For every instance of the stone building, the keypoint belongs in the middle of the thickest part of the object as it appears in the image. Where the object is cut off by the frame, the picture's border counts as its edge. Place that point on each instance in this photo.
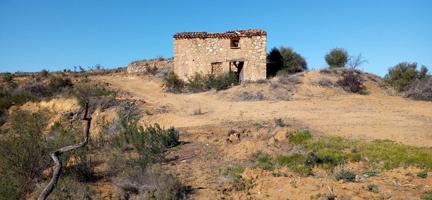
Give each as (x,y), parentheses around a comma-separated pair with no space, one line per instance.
(242,52)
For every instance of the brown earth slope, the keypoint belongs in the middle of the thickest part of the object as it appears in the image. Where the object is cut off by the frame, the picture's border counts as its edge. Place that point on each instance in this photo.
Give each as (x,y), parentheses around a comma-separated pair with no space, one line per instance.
(324,110)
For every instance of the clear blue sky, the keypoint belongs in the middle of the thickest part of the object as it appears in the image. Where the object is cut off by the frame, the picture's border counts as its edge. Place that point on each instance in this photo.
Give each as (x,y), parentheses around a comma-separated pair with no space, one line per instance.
(58,34)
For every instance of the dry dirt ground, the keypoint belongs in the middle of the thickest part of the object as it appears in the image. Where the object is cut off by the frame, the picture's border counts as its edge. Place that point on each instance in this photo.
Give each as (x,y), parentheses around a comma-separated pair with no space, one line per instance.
(205,118)
(324,110)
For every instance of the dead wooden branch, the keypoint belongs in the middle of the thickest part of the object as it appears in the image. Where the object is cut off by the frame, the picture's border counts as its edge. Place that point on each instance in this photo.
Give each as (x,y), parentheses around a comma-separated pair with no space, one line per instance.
(55,157)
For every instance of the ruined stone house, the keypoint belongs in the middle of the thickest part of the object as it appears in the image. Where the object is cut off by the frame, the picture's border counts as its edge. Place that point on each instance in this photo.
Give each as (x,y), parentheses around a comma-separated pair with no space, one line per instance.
(242,52)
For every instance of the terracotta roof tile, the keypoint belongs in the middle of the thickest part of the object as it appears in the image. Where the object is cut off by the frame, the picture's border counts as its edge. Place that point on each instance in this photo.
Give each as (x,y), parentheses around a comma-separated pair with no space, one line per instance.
(228,34)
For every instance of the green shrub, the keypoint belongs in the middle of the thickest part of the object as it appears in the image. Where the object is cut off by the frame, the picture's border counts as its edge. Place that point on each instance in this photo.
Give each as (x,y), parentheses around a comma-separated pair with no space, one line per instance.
(337,58)
(233,174)
(9,97)
(56,84)
(85,91)
(371,172)
(296,162)
(222,81)
(427,195)
(200,83)
(197,83)
(7,77)
(372,188)
(264,161)
(327,158)
(150,141)
(44,73)
(23,153)
(404,74)
(284,60)
(345,175)
(300,136)
(232,171)
(70,188)
(149,183)
(423,173)
(172,83)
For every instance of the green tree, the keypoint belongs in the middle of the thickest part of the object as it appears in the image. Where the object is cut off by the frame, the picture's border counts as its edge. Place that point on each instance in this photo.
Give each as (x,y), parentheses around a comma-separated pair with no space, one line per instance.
(285,60)
(402,75)
(423,73)
(337,58)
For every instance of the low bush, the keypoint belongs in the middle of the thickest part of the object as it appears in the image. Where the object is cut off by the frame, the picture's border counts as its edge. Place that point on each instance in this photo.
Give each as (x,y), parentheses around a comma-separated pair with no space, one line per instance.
(44,73)
(222,82)
(233,175)
(403,75)
(151,142)
(352,81)
(7,77)
(251,96)
(264,161)
(371,172)
(345,175)
(9,97)
(372,188)
(296,162)
(70,188)
(23,153)
(85,91)
(199,82)
(39,90)
(150,183)
(57,84)
(300,137)
(172,83)
(423,173)
(420,90)
(427,195)
(324,82)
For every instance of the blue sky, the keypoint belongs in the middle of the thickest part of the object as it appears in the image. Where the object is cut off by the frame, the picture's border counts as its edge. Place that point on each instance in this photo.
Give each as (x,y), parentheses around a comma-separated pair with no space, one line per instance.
(58,34)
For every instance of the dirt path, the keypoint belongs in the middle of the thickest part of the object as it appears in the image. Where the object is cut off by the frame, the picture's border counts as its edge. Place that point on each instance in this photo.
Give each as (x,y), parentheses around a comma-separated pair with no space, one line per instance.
(373,116)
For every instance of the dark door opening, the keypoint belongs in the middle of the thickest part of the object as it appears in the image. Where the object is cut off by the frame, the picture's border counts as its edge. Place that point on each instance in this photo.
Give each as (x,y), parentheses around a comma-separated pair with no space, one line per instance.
(237,68)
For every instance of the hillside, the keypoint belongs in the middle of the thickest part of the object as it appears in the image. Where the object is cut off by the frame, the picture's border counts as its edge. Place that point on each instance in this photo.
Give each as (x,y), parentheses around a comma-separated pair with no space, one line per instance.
(299,101)
(290,137)
(326,110)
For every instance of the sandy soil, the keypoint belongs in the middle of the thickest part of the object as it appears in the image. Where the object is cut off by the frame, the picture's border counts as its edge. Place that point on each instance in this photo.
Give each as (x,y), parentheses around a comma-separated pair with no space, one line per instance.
(205,118)
(324,110)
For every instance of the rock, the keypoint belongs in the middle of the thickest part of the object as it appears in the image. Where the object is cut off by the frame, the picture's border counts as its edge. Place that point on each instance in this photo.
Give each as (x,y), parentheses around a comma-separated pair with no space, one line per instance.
(233,136)
(281,135)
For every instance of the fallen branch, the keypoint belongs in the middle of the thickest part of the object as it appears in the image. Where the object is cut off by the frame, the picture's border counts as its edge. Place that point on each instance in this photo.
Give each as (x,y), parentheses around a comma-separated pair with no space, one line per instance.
(55,157)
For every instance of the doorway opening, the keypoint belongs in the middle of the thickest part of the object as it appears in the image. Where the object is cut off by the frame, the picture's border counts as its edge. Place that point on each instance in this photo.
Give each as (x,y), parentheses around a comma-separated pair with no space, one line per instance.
(237,68)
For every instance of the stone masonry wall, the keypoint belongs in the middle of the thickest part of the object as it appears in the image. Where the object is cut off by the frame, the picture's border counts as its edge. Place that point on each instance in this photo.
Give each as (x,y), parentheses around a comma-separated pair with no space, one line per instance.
(193,55)
(141,66)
